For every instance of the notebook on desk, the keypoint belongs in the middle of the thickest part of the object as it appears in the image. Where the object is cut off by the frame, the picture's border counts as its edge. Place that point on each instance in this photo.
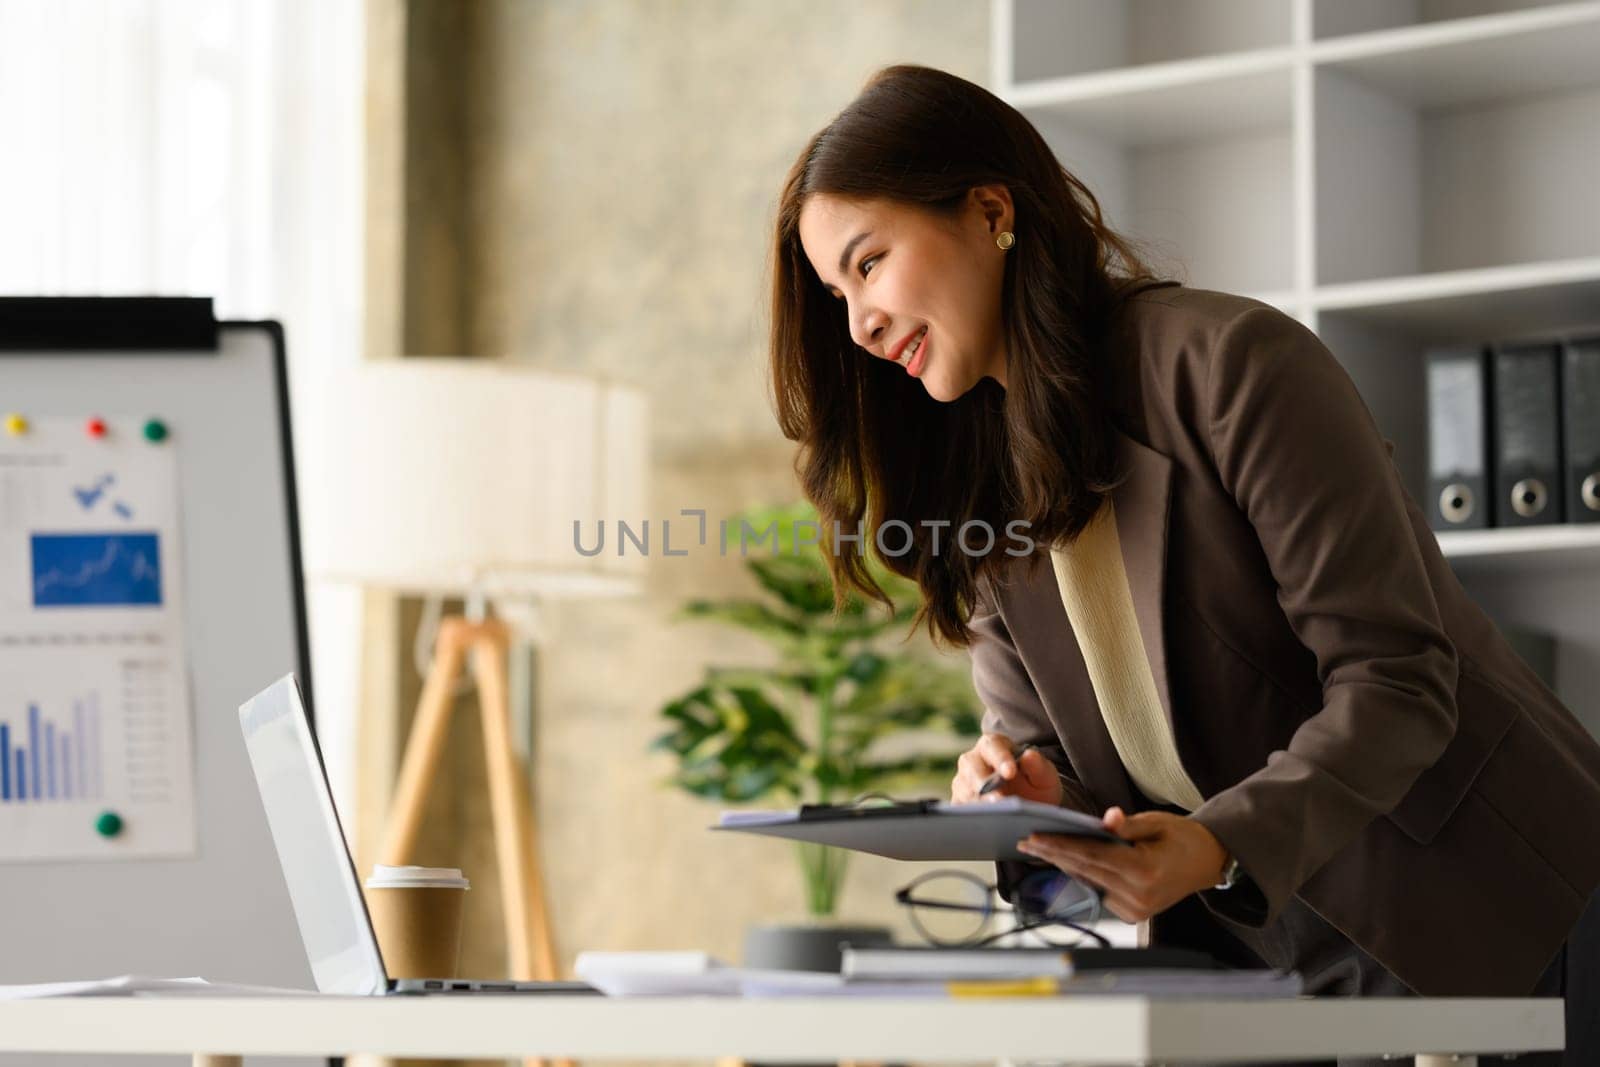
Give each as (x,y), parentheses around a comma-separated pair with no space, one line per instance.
(328,904)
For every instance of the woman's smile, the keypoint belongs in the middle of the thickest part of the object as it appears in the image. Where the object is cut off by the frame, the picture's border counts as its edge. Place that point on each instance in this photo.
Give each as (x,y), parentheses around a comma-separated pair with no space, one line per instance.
(917,354)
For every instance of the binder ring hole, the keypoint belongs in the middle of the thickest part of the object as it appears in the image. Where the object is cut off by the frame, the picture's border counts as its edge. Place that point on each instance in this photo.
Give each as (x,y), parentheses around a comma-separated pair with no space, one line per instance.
(1456,503)
(1528,497)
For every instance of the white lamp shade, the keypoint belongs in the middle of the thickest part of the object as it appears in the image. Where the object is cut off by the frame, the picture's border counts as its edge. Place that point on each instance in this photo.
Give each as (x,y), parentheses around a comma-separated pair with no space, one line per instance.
(445,475)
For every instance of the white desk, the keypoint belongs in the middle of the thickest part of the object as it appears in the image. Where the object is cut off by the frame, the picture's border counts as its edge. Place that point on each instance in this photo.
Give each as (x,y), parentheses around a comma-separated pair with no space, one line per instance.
(1098,1030)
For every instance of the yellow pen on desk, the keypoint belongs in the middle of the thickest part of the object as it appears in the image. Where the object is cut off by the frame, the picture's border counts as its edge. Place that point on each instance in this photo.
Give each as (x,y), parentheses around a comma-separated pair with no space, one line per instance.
(1018,987)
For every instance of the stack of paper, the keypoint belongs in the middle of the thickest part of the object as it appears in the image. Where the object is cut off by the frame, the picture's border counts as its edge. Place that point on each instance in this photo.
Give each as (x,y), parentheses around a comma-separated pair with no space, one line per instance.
(640,974)
(1044,971)
(892,963)
(129,985)
(657,974)
(1205,984)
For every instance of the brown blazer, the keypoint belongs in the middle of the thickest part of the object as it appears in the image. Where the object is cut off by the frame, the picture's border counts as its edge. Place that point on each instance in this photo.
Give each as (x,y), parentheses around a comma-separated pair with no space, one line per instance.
(1364,738)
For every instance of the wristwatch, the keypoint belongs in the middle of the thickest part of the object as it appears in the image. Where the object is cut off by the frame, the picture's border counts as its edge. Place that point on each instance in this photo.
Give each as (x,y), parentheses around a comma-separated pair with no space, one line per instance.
(1230,874)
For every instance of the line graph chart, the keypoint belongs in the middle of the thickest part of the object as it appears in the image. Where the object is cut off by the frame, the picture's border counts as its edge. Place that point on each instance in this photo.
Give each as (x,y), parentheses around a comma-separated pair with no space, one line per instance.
(96,569)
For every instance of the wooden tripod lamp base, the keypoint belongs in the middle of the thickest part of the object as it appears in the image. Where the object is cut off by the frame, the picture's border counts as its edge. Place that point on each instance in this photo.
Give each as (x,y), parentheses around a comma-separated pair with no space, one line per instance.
(530,945)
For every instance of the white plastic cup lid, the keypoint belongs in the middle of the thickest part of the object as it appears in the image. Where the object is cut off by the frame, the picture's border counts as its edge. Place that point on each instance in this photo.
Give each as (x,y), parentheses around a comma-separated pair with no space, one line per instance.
(385,877)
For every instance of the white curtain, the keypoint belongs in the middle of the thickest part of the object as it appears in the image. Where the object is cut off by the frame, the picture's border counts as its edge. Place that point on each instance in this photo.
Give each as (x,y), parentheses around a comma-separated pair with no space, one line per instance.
(206,148)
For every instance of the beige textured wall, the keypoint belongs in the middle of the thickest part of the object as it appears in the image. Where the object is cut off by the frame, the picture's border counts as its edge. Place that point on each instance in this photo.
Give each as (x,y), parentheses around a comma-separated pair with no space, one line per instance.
(619,162)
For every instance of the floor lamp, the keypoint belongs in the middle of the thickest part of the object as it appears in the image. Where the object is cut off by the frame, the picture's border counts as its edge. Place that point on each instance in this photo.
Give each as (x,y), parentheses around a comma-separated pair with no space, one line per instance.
(530,945)
(463,477)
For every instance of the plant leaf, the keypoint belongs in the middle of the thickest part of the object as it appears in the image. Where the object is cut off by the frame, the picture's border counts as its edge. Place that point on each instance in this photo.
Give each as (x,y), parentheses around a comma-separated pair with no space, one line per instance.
(751,615)
(801,582)
(732,742)
(901,776)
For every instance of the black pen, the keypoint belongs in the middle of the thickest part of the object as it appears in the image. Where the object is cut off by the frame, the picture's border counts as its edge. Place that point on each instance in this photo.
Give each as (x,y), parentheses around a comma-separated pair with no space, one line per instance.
(991,783)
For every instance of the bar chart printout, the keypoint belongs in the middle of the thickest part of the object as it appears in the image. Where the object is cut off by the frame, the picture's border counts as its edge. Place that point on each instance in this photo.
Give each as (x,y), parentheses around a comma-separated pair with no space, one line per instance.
(49,759)
(94,693)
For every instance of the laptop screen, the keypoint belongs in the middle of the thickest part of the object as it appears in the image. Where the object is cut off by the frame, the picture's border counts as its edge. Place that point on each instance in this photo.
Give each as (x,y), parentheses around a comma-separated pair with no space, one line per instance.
(322,882)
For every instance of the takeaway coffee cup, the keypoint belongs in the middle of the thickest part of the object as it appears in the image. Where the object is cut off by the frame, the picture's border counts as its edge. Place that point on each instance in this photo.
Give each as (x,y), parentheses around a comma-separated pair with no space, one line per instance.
(416,913)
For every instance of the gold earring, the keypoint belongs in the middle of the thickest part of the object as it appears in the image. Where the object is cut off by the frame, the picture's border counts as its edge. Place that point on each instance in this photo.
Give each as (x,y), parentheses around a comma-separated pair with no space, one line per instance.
(1006,239)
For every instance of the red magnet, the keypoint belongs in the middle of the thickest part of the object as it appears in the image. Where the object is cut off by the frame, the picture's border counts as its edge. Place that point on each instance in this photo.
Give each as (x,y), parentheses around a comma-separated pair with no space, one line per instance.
(97,427)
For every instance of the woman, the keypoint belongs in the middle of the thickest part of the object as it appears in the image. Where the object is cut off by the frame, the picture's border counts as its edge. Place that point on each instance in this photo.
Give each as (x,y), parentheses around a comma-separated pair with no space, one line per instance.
(1232,633)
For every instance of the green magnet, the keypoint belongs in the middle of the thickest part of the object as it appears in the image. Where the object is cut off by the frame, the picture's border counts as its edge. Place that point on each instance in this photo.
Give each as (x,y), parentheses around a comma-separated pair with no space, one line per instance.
(155,431)
(109,824)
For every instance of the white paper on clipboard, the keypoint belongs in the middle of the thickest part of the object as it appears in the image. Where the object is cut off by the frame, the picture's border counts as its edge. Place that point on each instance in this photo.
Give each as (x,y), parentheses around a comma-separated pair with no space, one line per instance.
(934,830)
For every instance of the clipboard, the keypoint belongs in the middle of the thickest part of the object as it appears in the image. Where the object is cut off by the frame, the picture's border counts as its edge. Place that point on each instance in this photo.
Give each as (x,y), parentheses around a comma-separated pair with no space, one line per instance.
(922,829)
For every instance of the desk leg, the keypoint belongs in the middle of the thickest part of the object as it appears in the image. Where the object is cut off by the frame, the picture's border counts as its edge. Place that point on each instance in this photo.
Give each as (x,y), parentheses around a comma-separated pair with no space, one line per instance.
(202,1059)
(1446,1060)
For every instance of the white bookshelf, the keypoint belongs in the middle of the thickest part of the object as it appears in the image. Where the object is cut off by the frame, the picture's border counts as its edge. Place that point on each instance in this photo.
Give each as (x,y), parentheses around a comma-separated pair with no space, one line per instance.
(1397,174)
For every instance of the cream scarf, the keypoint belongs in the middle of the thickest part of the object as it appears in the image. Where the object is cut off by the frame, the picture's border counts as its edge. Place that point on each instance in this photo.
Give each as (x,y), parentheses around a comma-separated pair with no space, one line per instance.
(1094,590)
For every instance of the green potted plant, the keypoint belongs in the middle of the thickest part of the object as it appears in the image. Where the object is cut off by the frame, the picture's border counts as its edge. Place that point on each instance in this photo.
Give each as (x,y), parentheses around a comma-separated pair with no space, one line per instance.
(842,712)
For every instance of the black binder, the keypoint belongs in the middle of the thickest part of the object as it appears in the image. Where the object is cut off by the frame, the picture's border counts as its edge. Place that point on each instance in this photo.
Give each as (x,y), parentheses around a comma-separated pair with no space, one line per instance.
(1527,434)
(1580,419)
(1460,488)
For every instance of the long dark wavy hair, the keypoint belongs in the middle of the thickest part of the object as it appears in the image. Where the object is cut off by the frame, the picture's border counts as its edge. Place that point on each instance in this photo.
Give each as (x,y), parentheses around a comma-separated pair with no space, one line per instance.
(874,447)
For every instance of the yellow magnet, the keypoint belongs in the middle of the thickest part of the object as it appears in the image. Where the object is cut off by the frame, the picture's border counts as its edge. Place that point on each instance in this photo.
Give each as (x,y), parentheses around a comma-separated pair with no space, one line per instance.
(16,425)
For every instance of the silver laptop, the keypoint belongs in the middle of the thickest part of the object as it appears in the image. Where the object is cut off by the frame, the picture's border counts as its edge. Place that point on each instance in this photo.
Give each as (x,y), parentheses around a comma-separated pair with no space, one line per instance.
(323,887)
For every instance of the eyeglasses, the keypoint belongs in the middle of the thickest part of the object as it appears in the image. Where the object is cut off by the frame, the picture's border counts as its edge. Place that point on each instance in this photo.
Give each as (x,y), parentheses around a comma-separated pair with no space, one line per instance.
(953,908)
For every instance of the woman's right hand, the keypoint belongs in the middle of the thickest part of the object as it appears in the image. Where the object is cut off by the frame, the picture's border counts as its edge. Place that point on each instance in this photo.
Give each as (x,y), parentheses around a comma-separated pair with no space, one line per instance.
(1032,777)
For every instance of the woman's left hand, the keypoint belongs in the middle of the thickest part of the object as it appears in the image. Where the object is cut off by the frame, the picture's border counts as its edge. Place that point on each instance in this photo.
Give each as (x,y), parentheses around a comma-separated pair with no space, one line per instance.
(1172,856)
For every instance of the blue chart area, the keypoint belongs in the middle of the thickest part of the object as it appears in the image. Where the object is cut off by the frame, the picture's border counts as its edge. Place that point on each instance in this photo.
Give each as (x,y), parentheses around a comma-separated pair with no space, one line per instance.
(98,570)
(45,758)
